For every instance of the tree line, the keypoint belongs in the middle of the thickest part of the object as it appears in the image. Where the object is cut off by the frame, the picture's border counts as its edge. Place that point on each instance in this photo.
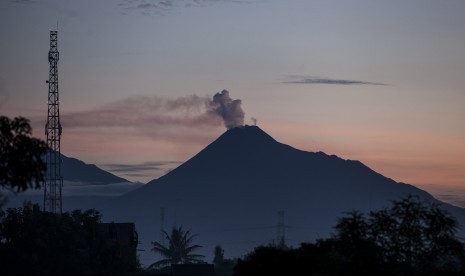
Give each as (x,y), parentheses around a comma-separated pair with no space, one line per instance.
(33,242)
(411,237)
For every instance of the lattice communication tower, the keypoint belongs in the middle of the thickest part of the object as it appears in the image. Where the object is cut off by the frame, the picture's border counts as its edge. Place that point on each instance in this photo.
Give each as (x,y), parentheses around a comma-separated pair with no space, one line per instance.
(53,179)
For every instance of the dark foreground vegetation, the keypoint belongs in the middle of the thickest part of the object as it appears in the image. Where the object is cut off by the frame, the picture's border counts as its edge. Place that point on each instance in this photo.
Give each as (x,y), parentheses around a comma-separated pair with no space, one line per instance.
(410,238)
(21,163)
(33,242)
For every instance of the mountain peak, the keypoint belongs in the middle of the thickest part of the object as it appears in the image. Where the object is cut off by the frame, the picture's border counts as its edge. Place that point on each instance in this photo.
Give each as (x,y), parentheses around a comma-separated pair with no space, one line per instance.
(248,134)
(236,152)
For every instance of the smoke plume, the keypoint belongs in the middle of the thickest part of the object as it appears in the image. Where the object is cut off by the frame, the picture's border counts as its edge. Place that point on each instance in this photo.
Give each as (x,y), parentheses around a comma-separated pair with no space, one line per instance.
(157,115)
(146,112)
(230,110)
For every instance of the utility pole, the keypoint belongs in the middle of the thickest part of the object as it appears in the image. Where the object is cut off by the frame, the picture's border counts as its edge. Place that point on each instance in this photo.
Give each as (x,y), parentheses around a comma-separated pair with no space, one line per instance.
(53,178)
(162,226)
(281,231)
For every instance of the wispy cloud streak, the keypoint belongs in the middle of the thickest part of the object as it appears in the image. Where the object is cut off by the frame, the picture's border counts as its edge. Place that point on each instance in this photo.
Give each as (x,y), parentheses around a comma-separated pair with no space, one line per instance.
(25,2)
(145,166)
(317,80)
(148,7)
(144,170)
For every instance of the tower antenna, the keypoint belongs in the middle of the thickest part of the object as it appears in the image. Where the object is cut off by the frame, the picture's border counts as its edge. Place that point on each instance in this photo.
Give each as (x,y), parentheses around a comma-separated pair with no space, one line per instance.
(254,121)
(53,179)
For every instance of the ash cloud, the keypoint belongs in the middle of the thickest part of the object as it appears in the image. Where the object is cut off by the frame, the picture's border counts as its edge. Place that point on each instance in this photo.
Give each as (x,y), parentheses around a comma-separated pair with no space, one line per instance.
(318,80)
(157,115)
(145,111)
(230,110)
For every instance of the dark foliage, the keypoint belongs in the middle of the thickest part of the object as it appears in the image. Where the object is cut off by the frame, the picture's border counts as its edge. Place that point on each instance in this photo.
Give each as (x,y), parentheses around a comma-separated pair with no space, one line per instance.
(410,238)
(321,258)
(33,242)
(223,267)
(179,249)
(268,260)
(21,163)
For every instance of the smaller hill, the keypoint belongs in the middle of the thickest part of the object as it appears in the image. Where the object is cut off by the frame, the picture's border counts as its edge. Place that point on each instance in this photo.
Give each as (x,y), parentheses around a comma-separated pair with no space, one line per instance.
(77,171)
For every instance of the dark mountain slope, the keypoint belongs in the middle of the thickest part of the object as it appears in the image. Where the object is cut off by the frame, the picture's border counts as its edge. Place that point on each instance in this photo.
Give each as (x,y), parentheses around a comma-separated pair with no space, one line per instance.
(246,160)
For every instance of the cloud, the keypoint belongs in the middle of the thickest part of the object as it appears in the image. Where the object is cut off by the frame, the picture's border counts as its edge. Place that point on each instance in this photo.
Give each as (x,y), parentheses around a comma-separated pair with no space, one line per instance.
(317,80)
(145,170)
(148,7)
(73,188)
(84,189)
(132,169)
(24,2)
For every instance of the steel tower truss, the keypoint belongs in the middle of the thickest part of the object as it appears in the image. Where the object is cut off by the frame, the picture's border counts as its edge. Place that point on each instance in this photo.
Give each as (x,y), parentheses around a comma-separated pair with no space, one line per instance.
(53,179)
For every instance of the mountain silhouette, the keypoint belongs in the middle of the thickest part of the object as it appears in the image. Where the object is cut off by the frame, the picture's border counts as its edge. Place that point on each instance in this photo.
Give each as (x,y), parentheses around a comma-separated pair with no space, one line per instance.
(230,194)
(76,170)
(84,186)
(248,163)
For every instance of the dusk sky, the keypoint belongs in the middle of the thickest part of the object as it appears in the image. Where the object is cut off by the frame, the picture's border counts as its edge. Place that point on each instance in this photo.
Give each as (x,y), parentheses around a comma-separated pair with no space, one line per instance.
(382,82)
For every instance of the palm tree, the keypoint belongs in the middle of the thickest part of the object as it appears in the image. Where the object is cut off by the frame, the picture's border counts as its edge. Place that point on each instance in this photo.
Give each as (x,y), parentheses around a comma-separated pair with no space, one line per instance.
(179,250)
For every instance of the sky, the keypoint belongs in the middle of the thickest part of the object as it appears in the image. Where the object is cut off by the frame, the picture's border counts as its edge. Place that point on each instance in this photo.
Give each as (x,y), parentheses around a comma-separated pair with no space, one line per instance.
(377,81)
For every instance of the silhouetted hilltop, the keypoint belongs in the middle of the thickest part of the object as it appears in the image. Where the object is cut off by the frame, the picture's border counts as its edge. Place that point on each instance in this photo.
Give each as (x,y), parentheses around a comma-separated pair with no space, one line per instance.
(77,171)
(80,180)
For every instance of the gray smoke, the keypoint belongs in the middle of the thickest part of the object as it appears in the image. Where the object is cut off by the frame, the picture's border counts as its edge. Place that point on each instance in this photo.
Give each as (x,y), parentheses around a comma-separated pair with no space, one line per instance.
(230,110)
(146,112)
(157,116)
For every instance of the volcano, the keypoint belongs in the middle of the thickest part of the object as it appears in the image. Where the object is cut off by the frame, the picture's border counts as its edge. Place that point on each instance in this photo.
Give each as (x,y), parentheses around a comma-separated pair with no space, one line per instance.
(230,194)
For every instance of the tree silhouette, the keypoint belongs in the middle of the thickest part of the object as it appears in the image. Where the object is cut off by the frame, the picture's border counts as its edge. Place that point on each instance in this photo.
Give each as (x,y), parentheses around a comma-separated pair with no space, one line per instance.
(33,242)
(179,250)
(21,163)
(223,267)
(411,236)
